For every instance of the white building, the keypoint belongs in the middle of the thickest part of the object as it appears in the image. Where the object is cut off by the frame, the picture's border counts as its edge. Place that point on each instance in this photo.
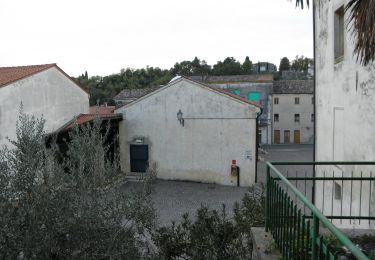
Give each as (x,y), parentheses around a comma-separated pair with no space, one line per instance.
(345,115)
(43,90)
(293,111)
(215,128)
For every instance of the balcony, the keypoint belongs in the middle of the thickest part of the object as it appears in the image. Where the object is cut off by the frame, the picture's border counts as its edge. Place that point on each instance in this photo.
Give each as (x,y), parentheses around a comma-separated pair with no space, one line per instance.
(310,208)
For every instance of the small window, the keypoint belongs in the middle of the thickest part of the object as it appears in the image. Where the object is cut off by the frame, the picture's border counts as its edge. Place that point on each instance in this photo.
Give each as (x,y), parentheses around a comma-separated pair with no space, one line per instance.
(312,117)
(296,118)
(338,191)
(276,100)
(237,92)
(296,100)
(276,117)
(339,34)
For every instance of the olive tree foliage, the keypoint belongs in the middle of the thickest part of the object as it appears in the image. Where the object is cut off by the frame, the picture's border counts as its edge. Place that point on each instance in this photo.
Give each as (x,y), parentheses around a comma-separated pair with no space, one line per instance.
(72,206)
(213,234)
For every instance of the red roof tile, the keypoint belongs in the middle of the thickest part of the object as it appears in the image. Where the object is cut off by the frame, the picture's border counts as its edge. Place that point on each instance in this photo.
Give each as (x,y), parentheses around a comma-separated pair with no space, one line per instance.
(85,118)
(102,110)
(11,74)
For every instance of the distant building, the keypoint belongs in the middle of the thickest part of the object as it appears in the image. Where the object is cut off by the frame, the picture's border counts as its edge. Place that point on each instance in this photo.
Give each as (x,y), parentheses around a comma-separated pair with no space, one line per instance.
(293,111)
(130,94)
(44,91)
(191,132)
(264,67)
(256,88)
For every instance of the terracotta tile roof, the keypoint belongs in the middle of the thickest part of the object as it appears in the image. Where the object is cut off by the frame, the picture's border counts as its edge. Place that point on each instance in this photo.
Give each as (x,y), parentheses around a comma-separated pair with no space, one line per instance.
(11,74)
(85,118)
(102,110)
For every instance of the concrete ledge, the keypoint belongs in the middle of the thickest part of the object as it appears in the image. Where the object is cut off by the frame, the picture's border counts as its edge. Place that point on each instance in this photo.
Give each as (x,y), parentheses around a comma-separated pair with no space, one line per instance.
(262,243)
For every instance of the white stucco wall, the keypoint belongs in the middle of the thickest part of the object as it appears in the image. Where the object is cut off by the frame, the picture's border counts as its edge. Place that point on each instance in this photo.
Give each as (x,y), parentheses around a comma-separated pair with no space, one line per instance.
(345,120)
(218,129)
(286,109)
(49,94)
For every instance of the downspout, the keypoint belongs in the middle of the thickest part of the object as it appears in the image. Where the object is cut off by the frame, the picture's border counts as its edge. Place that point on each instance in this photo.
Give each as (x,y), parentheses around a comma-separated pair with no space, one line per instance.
(314,96)
(257,143)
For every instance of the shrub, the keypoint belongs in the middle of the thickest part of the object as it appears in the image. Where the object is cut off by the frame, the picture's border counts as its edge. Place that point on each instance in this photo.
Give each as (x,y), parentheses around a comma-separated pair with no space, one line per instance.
(68,207)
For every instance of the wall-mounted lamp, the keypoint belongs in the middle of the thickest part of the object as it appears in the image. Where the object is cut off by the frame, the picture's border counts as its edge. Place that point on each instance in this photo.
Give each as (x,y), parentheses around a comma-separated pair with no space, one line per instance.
(180,117)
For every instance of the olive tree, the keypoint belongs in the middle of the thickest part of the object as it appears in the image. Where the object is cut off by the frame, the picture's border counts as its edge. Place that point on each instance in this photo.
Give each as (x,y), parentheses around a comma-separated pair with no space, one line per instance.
(72,205)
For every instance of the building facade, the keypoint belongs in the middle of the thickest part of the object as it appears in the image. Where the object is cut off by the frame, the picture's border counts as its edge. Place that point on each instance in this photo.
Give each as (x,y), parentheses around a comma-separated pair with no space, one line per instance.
(293,112)
(254,88)
(264,67)
(345,121)
(191,132)
(44,91)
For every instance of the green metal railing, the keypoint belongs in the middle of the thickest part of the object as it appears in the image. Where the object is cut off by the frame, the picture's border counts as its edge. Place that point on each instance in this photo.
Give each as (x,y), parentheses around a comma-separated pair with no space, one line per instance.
(297,231)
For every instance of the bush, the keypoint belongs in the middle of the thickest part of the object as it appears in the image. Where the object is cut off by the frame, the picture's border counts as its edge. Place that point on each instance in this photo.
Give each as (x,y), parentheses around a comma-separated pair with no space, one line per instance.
(68,207)
(212,235)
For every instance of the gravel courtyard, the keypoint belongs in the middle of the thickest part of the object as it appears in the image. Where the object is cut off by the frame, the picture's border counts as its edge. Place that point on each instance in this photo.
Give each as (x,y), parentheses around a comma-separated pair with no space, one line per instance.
(174,198)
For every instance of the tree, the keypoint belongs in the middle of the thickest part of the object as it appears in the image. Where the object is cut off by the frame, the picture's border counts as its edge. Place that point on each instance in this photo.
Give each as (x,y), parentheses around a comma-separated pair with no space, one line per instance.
(284,64)
(301,63)
(68,207)
(227,67)
(247,66)
(362,24)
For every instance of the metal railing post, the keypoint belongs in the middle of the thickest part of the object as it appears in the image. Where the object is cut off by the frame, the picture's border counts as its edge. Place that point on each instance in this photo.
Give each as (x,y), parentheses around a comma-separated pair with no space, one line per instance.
(314,237)
(267,199)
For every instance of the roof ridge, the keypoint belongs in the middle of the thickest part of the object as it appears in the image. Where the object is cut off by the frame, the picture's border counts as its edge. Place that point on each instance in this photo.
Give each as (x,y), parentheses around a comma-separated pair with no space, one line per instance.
(27,66)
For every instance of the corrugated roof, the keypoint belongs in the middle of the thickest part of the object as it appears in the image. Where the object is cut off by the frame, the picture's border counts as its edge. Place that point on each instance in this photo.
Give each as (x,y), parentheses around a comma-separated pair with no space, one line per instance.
(266,78)
(9,75)
(293,87)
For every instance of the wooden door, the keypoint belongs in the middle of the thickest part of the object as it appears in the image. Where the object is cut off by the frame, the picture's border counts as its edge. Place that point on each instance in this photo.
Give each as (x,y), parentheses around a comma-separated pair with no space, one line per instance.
(276,136)
(286,137)
(138,158)
(297,137)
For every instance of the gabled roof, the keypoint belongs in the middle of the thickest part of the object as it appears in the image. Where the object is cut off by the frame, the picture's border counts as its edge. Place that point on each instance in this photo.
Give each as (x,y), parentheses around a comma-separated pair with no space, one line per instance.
(293,87)
(259,78)
(134,93)
(9,75)
(205,86)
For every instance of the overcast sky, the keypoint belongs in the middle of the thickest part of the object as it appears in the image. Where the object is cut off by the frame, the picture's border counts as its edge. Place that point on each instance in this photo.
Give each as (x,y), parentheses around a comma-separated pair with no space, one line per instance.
(104,36)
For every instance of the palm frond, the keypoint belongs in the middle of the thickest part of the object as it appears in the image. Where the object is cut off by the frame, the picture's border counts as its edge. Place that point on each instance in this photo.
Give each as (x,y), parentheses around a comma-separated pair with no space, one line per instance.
(362,20)
(301,3)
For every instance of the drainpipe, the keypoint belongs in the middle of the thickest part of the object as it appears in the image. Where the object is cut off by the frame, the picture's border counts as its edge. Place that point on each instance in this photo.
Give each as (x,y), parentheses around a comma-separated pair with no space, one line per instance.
(314,95)
(257,143)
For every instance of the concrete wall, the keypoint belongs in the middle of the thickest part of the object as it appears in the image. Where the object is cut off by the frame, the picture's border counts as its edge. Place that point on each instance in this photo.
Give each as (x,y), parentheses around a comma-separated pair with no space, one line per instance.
(218,129)
(49,94)
(286,110)
(266,90)
(345,95)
